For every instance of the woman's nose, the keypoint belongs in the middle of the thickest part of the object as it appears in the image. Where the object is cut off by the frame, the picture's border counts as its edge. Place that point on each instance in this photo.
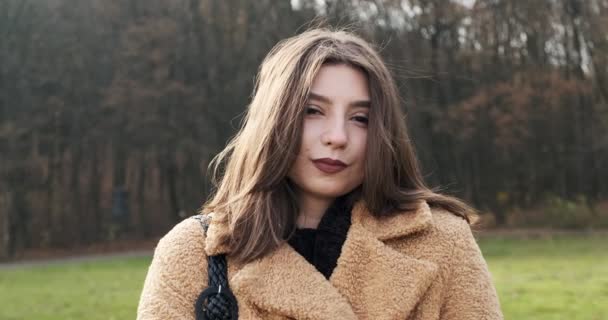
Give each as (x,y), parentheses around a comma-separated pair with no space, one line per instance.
(335,135)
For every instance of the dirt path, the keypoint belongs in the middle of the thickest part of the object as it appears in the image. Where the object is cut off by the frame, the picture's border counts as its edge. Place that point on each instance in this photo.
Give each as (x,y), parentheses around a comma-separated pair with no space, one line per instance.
(81,258)
(537,233)
(147,250)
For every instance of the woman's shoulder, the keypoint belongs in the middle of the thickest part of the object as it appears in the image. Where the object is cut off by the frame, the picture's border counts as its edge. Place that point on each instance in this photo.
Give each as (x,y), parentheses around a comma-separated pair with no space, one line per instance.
(444,231)
(190,228)
(454,233)
(470,293)
(449,224)
(177,273)
(184,245)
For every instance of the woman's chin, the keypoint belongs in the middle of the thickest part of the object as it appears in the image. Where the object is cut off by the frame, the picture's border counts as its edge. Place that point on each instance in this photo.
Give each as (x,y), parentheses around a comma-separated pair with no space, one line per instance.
(330,192)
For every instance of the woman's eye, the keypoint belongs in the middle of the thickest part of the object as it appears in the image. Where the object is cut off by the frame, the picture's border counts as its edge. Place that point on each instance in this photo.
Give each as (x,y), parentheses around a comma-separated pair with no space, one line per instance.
(362,119)
(311,110)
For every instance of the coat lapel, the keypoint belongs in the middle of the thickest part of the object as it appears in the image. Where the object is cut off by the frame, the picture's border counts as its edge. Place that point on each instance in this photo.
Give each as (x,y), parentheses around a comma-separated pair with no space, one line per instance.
(378,281)
(370,281)
(284,283)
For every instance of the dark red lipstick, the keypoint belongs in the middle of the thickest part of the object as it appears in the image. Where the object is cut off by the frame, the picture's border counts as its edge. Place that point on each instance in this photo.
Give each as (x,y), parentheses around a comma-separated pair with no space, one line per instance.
(329,165)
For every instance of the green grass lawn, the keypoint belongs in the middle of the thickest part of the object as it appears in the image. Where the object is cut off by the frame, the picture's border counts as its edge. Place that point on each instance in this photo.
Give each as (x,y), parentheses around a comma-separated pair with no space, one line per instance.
(563,278)
(107,289)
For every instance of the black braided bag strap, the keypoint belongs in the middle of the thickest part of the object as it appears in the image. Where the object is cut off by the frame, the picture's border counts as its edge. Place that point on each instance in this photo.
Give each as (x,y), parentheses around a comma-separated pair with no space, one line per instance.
(216,302)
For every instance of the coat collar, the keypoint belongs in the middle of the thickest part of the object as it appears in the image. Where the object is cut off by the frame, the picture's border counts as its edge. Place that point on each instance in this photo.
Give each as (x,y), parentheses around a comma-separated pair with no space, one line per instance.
(371,280)
(395,226)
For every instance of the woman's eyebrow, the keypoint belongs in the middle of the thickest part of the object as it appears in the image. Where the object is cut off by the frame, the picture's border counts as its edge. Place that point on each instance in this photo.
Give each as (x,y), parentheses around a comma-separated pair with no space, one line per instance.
(357,103)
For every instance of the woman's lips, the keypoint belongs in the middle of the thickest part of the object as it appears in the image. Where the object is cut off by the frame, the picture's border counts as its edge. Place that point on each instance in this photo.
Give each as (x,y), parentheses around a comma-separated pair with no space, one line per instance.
(327,167)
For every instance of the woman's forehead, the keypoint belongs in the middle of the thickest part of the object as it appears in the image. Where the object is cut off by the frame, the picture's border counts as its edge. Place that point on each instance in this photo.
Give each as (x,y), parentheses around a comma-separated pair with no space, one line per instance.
(340,82)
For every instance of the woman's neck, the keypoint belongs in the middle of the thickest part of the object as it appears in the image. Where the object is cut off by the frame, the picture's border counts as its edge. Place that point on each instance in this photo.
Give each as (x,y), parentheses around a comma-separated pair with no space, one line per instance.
(312,210)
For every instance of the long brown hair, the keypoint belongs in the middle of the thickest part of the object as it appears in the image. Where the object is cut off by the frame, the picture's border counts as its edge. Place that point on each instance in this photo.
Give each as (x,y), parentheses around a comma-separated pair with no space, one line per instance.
(253,195)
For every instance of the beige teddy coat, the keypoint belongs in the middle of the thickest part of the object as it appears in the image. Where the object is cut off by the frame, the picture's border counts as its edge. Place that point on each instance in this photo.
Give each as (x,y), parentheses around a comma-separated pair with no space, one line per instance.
(423,264)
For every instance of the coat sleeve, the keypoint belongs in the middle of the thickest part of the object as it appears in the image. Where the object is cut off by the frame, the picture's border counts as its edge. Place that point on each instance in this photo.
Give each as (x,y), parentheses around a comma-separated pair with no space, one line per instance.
(470,293)
(176,275)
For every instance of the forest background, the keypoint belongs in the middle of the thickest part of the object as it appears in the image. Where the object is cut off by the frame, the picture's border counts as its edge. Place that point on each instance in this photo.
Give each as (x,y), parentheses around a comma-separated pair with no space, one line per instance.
(110,110)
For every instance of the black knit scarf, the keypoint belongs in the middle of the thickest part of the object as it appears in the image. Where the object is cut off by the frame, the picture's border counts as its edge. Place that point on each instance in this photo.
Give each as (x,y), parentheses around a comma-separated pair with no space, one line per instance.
(321,247)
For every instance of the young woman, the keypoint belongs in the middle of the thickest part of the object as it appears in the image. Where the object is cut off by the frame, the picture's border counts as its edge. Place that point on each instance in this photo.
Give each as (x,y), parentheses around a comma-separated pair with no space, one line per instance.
(321,210)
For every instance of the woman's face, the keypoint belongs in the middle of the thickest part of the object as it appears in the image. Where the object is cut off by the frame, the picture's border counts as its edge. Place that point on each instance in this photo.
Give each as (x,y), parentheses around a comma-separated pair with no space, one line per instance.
(331,159)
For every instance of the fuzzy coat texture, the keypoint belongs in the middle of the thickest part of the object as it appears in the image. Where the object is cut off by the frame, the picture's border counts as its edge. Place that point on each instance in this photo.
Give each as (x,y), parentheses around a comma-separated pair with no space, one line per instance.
(418,265)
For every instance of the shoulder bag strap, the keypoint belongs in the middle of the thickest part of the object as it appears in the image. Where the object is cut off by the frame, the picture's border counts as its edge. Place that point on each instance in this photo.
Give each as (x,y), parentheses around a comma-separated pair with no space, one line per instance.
(216,301)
